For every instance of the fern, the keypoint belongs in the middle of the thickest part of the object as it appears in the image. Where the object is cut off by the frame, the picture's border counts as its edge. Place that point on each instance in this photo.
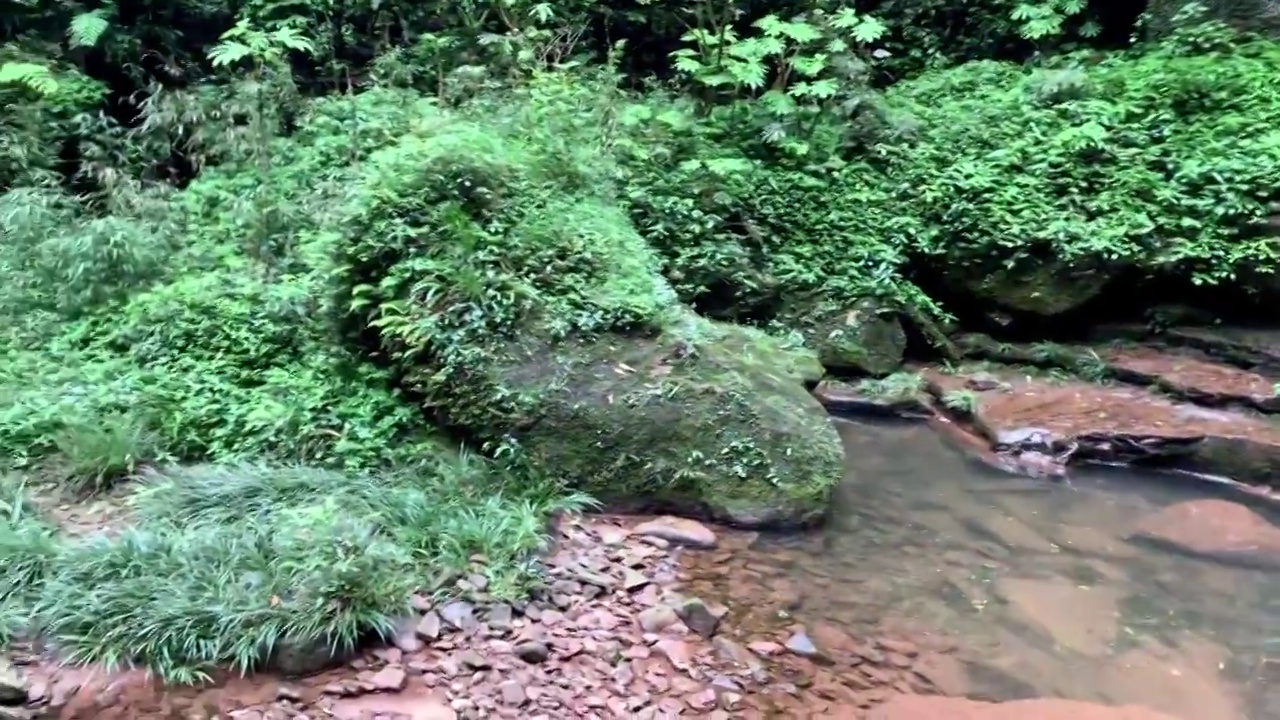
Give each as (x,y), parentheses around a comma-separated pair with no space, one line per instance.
(87,29)
(229,52)
(245,42)
(36,78)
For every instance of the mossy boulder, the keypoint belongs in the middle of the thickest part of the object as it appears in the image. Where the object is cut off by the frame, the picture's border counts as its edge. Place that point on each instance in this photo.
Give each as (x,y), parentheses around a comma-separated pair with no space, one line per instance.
(865,338)
(1045,288)
(521,307)
(692,420)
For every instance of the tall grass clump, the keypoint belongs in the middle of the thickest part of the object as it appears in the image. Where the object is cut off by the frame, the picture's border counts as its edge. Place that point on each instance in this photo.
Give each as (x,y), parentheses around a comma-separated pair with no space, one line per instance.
(28,545)
(98,453)
(229,565)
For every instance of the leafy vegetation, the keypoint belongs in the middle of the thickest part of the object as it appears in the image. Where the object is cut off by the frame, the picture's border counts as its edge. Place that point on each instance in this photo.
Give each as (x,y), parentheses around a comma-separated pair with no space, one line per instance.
(274,275)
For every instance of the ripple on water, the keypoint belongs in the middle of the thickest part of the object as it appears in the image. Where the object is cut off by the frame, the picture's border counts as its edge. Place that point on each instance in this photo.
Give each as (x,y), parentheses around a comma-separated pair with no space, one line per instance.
(1035,580)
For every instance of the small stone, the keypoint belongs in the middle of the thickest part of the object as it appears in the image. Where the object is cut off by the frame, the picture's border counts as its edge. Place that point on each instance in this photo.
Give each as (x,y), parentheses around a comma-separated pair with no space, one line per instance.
(680,531)
(800,644)
(633,580)
(657,618)
(764,648)
(603,582)
(533,652)
(500,616)
(388,679)
(513,693)
(429,626)
(901,647)
(407,642)
(702,701)
(474,660)
(458,614)
(613,536)
(677,652)
(699,617)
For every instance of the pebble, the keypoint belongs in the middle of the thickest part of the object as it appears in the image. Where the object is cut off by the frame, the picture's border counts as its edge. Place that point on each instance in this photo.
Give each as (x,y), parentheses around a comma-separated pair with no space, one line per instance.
(800,644)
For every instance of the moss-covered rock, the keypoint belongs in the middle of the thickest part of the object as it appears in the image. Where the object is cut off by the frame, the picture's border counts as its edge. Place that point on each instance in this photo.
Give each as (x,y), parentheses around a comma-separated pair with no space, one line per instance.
(866,338)
(520,306)
(693,420)
(1045,288)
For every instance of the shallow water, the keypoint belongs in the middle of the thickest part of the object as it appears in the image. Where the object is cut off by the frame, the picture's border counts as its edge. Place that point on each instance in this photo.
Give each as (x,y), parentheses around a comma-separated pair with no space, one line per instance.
(1034,580)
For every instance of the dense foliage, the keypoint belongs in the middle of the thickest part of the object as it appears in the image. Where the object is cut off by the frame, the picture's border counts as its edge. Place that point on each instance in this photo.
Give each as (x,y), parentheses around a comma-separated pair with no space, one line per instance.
(273,276)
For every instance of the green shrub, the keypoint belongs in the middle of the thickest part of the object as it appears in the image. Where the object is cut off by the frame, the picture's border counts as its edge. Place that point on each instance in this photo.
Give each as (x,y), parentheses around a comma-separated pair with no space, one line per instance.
(463,242)
(441,512)
(181,601)
(28,544)
(1163,158)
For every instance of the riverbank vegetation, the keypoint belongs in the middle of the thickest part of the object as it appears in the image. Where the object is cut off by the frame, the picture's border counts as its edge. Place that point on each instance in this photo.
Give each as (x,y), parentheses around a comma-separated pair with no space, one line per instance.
(340,298)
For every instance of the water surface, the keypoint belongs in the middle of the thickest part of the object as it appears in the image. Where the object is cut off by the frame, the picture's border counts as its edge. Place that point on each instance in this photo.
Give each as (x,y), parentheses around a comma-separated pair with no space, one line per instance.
(1035,580)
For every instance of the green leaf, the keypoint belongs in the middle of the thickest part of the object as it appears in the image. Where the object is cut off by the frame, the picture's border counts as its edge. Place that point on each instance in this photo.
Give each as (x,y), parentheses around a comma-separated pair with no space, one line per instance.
(869,30)
(36,78)
(87,28)
(229,53)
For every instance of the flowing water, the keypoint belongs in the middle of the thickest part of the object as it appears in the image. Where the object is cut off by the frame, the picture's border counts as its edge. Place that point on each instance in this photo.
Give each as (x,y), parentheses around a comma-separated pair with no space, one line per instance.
(1034,580)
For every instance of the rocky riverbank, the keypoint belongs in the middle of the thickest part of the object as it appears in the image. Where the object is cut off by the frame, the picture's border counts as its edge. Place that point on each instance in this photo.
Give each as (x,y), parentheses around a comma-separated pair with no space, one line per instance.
(1196,400)
(634,622)
(663,617)
(615,633)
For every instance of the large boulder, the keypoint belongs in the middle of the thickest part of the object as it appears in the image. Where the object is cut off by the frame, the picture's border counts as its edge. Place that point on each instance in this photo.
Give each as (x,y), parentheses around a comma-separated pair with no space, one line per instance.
(696,420)
(1044,288)
(519,306)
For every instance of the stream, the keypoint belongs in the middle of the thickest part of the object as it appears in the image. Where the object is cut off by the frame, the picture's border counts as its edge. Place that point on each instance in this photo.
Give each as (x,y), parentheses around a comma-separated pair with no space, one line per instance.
(1032,579)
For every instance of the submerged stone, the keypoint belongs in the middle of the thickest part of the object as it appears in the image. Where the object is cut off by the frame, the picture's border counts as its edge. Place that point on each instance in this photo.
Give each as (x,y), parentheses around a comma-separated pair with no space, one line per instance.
(1216,530)
(1121,424)
(917,707)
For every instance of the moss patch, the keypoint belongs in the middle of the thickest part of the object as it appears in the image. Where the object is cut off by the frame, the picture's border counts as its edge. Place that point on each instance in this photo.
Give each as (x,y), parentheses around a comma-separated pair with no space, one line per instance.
(686,420)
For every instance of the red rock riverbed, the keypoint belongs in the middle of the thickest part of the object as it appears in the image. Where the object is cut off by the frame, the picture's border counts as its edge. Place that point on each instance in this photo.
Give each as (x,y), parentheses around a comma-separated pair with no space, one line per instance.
(615,634)
(639,620)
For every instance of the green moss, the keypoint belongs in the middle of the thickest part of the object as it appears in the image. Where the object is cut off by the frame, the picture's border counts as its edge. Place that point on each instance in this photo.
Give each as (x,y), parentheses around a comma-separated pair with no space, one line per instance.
(1041,288)
(865,338)
(1039,177)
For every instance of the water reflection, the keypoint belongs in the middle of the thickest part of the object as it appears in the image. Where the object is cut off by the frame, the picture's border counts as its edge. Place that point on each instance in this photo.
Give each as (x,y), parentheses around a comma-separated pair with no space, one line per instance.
(1035,580)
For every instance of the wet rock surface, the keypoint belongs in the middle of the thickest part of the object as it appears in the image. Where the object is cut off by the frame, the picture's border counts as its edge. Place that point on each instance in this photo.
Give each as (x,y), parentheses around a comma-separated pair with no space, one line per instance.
(1179,370)
(1194,377)
(1251,348)
(922,708)
(844,398)
(1214,529)
(1077,421)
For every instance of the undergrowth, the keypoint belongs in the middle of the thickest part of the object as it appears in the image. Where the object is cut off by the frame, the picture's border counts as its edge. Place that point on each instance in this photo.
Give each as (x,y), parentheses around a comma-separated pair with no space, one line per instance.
(227,565)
